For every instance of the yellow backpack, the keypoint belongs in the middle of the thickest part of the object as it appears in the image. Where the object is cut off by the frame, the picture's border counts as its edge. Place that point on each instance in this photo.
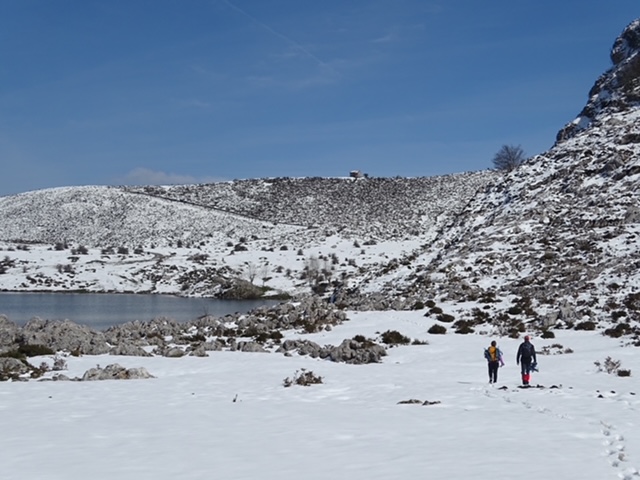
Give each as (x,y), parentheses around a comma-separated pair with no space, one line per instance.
(492,354)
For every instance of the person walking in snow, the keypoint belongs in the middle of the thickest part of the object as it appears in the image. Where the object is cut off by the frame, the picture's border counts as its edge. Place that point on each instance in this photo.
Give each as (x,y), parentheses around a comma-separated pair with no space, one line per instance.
(494,361)
(526,358)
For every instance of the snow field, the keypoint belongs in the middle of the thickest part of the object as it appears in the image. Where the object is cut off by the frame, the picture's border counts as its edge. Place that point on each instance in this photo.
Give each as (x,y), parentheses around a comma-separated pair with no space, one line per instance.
(186,423)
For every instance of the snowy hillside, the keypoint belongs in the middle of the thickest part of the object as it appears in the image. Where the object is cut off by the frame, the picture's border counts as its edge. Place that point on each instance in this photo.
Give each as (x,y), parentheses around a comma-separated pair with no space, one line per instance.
(200,239)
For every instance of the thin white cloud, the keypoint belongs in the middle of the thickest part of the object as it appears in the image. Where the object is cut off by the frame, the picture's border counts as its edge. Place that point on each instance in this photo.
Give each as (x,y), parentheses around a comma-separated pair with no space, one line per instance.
(280,35)
(145,176)
(194,103)
(384,39)
(289,82)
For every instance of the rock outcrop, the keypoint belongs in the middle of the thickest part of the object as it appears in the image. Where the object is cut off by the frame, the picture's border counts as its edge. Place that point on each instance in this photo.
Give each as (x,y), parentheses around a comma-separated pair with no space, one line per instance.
(116,372)
(560,235)
(615,91)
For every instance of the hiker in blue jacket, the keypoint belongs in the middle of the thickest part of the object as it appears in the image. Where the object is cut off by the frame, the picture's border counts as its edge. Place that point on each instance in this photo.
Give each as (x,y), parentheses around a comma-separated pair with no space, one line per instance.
(494,361)
(526,358)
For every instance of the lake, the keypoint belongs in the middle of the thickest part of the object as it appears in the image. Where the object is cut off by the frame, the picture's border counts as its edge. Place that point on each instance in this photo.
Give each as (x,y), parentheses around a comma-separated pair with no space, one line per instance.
(103,310)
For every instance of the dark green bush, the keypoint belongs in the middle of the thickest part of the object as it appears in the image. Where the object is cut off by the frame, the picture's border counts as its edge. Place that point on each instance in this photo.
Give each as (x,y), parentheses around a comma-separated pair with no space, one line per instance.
(437,329)
(14,354)
(632,301)
(487,297)
(618,314)
(465,329)
(618,330)
(587,325)
(548,334)
(393,337)
(445,317)
(479,316)
(264,336)
(34,350)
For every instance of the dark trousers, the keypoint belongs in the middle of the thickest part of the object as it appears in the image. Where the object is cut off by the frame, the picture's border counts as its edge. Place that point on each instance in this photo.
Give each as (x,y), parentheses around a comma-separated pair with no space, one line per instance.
(493,371)
(525,368)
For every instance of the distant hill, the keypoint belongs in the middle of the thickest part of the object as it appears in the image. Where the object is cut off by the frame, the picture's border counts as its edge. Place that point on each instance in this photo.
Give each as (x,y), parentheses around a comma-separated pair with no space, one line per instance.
(102,216)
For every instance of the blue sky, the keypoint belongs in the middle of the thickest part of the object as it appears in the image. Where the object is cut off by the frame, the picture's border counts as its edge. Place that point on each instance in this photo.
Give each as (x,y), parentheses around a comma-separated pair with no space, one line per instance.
(164,91)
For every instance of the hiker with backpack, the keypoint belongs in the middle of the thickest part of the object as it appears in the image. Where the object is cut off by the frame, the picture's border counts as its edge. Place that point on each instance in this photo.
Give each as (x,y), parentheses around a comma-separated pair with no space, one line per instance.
(494,361)
(526,358)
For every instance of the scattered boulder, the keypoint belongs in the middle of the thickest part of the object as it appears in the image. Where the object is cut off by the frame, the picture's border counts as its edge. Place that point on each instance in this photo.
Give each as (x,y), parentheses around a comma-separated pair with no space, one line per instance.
(302,347)
(12,368)
(128,350)
(172,352)
(116,372)
(198,351)
(249,347)
(9,333)
(357,352)
(64,335)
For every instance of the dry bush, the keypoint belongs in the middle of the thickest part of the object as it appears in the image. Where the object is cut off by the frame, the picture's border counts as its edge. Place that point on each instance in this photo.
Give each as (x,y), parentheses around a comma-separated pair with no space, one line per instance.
(303,378)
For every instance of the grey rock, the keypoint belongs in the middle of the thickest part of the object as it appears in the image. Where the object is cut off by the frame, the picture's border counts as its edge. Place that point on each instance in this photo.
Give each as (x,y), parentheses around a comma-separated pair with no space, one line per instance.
(253,347)
(198,351)
(9,333)
(12,366)
(115,372)
(64,335)
(125,349)
(173,352)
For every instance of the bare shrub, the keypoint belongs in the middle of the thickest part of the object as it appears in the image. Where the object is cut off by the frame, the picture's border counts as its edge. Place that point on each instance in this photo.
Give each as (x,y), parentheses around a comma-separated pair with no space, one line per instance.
(59,363)
(302,377)
(609,365)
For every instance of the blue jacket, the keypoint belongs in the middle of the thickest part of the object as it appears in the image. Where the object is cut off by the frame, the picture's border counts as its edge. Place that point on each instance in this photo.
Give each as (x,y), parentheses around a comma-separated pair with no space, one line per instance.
(487,355)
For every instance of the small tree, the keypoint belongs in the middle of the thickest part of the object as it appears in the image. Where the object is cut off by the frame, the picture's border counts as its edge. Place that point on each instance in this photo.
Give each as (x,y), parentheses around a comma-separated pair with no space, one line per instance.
(508,157)
(251,270)
(264,273)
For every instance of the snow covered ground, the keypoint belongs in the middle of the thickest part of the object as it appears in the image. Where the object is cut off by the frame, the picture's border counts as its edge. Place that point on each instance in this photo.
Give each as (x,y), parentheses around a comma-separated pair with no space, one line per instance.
(163,269)
(229,415)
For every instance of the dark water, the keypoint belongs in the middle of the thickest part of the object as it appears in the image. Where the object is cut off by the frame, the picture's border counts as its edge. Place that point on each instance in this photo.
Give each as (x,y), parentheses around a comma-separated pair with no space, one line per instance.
(100,311)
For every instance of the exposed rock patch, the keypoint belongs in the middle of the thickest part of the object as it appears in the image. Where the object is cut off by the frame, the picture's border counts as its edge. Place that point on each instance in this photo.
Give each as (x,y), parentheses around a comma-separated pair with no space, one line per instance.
(116,372)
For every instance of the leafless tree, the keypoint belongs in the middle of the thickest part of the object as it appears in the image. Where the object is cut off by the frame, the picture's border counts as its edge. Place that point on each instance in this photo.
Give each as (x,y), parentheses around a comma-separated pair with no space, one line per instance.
(264,273)
(312,268)
(508,157)
(250,270)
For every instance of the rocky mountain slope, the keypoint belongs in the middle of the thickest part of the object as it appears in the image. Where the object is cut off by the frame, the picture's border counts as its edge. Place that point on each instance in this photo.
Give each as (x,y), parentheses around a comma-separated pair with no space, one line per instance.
(559,236)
